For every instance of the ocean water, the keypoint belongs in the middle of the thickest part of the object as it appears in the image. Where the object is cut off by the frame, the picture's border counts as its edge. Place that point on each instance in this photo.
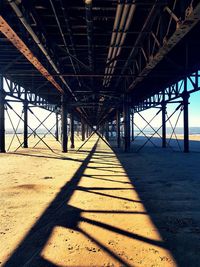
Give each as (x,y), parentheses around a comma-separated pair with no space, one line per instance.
(20,131)
(178,130)
(149,131)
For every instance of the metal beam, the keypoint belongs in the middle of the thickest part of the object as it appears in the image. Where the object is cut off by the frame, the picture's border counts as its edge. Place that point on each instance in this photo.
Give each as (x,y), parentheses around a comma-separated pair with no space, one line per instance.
(143,33)
(29,29)
(63,36)
(177,36)
(25,144)
(72,128)
(132,125)
(185,117)
(22,47)
(107,130)
(126,114)
(83,130)
(64,124)
(163,123)
(17,92)
(172,92)
(89,21)
(2,117)
(57,130)
(118,128)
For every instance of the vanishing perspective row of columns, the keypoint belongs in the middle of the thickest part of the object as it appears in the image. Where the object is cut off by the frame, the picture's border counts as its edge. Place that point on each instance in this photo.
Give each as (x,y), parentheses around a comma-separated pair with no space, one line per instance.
(85,131)
(127,118)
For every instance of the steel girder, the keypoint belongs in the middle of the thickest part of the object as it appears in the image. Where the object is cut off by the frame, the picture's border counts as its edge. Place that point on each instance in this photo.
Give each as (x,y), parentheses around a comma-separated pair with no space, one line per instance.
(171,93)
(16,91)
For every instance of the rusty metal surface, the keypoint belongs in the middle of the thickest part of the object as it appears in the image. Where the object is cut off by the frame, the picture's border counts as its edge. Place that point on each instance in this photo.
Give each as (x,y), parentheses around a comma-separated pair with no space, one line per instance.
(22,47)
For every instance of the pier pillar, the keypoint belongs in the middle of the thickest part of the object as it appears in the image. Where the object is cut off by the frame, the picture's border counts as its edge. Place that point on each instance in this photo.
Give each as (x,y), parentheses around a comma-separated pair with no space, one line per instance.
(64,124)
(132,125)
(107,131)
(57,131)
(78,128)
(126,115)
(2,117)
(83,130)
(72,128)
(111,129)
(185,97)
(87,131)
(118,128)
(25,145)
(163,124)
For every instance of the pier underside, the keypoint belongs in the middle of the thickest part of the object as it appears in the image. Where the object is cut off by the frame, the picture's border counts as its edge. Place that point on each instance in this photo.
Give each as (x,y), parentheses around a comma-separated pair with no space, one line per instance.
(97,100)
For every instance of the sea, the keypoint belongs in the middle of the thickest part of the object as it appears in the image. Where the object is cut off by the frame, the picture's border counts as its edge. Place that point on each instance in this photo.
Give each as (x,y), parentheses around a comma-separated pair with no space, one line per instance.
(147,131)
(178,130)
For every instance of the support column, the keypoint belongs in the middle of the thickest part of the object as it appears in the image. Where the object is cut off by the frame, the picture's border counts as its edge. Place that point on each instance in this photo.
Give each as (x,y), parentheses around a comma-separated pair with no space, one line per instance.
(72,128)
(86,131)
(185,97)
(107,131)
(118,128)
(57,131)
(2,117)
(126,114)
(89,131)
(163,124)
(78,128)
(25,145)
(111,129)
(83,130)
(64,124)
(132,125)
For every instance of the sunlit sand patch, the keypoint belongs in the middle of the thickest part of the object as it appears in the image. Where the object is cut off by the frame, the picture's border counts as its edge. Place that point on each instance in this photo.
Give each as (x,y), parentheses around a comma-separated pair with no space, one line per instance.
(26,192)
(120,226)
(104,222)
(68,247)
(133,250)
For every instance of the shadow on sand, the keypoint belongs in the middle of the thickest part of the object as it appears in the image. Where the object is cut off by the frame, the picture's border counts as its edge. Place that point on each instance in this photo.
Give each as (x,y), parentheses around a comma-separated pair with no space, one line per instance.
(171,199)
(167,182)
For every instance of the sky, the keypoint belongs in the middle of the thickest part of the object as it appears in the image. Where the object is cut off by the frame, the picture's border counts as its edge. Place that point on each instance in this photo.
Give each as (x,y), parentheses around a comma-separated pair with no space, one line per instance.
(194,115)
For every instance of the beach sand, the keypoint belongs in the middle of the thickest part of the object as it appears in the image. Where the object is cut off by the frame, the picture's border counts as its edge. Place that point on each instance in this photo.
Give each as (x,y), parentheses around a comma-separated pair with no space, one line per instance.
(99,207)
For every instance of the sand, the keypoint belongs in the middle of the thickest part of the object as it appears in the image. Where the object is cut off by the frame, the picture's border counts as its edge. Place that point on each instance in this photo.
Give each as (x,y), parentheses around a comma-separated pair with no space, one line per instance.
(99,207)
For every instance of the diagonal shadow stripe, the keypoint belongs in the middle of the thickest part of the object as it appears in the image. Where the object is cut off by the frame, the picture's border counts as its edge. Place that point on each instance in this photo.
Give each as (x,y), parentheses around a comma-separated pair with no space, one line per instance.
(31,247)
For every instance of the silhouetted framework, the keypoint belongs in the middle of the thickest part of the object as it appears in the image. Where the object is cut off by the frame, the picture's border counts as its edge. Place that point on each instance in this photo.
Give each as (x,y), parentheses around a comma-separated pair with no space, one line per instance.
(126,115)
(118,129)
(2,116)
(83,130)
(25,120)
(186,96)
(142,50)
(64,125)
(72,129)
(132,125)
(94,67)
(57,127)
(163,122)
